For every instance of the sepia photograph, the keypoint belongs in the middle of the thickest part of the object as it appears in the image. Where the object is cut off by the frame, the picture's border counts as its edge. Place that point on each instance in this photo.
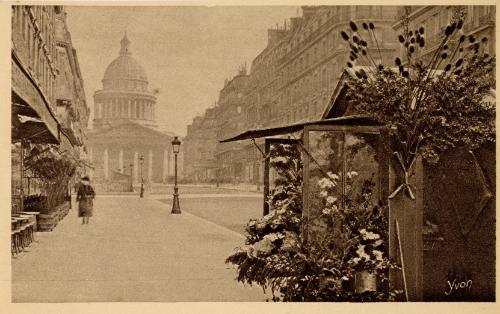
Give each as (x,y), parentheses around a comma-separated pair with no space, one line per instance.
(259,153)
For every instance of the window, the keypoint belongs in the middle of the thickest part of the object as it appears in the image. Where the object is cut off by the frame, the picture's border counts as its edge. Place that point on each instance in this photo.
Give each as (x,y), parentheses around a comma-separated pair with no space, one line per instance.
(350,157)
(120,105)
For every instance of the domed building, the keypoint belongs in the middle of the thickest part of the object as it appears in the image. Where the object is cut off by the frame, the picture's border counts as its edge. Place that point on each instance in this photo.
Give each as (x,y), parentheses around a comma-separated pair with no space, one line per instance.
(125,127)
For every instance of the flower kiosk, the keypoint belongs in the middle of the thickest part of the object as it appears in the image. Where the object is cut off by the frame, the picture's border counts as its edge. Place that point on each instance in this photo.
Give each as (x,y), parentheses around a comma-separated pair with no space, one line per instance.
(348,217)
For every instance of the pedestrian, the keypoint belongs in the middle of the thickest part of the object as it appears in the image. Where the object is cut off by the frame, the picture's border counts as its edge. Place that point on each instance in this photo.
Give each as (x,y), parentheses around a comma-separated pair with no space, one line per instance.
(85,197)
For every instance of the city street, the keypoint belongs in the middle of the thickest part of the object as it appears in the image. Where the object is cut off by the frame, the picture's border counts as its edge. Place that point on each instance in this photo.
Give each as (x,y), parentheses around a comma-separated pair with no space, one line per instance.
(230,212)
(134,250)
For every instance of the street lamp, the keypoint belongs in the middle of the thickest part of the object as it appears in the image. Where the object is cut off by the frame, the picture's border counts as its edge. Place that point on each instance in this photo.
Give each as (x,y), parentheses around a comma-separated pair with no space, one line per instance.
(131,178)
(141,159)
(176,209)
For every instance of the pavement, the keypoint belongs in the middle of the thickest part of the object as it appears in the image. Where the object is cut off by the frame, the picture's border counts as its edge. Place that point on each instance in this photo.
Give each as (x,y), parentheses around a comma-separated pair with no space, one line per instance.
(133,250)
(230,212)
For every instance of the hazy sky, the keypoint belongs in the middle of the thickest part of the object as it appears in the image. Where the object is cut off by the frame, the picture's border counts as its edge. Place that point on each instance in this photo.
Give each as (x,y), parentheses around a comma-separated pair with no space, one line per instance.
(187,52)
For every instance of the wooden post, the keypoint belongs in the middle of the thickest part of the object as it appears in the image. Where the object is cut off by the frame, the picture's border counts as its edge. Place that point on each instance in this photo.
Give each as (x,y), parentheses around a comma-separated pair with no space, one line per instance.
(267,149)
(409,214)
(21,189)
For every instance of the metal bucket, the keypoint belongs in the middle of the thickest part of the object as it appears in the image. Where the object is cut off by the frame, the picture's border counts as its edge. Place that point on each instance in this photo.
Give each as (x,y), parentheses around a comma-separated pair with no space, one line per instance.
(365,281)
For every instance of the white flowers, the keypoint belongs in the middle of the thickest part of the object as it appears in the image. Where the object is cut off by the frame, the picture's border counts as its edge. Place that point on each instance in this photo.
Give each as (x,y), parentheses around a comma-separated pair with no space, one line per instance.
(351,174)
(290,241)
(274,236)
(326,183)
(361,252)
(279,159)
(265,245)
(331,199)
(377,243)
(378,255)
(327,211)
(330,181)
(332,176)
(368,235)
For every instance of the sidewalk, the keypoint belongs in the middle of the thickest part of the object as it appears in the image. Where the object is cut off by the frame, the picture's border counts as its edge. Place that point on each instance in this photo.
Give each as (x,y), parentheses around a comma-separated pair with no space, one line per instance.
(133,250)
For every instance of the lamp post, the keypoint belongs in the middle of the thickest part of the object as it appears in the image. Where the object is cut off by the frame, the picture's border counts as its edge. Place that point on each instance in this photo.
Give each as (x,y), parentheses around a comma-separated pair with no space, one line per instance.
(176,209)
(131,178)
(141,159)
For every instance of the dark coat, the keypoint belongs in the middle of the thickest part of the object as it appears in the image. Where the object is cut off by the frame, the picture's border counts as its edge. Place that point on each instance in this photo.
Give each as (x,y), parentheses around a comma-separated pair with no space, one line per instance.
(85,197)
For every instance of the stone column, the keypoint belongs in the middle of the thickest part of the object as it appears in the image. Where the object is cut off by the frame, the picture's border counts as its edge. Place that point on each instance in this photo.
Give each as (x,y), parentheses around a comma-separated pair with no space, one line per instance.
(90,154)
(150,166)
(96,111)
(106,163)
(170,161)
(129,109)
(165,164)
(136,167)
(120,160)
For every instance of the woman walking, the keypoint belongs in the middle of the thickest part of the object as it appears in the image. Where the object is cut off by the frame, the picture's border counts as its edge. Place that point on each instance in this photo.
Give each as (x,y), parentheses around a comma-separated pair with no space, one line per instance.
(85,197)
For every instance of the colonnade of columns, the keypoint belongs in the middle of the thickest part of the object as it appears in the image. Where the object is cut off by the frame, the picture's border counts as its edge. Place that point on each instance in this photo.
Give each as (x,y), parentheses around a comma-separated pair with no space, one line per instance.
(125,157)
(125,108)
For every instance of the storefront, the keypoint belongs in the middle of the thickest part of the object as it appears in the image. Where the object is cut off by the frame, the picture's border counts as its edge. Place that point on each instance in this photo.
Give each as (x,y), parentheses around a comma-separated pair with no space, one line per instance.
(33,122)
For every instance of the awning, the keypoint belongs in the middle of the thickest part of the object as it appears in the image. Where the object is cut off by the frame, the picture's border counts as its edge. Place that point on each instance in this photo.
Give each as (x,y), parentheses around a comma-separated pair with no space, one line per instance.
(31,129)
(28,100)
(348,120)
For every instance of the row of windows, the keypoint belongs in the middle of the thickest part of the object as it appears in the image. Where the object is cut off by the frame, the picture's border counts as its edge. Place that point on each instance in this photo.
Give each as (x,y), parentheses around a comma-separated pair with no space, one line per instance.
(436,20)
(266,115)
(33,29)
(326,47)
(125,84)
(312,83)
(138,109)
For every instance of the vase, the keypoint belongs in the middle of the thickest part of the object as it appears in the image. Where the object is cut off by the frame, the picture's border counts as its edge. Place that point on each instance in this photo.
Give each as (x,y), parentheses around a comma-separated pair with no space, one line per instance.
(365,281)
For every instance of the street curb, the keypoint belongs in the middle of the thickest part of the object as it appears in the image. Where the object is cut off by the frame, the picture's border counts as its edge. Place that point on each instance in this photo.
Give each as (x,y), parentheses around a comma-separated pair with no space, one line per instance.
(222,228)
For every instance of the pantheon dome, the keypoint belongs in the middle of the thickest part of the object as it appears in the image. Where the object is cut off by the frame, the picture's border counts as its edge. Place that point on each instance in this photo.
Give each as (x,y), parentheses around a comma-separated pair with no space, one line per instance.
(125,95)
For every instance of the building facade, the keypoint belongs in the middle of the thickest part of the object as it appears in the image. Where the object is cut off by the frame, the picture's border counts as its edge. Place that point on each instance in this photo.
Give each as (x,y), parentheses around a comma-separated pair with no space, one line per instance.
(125,139)
(48,105)
(200,144)
(229,120)
(292,80)
(71,106)
(479,21)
